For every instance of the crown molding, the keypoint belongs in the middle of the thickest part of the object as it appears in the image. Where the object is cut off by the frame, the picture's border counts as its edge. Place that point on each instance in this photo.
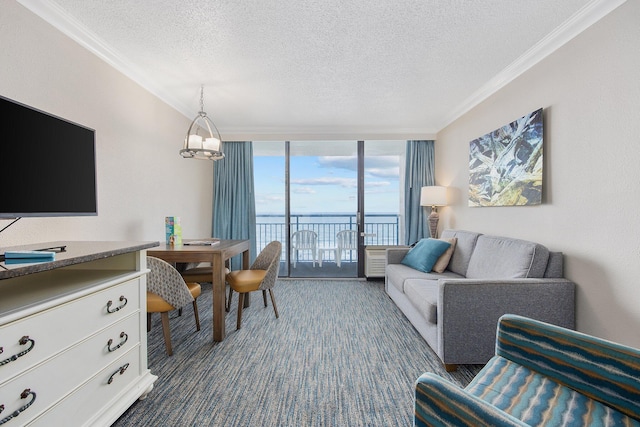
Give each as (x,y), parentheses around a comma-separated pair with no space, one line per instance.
(56,16)
(579,22)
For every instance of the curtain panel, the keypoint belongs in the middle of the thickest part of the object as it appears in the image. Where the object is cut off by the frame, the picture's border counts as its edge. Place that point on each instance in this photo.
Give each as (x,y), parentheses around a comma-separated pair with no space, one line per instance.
(419,170)
(234,205)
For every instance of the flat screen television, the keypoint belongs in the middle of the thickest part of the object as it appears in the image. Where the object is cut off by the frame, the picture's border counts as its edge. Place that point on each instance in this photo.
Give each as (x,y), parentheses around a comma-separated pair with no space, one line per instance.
(48,164)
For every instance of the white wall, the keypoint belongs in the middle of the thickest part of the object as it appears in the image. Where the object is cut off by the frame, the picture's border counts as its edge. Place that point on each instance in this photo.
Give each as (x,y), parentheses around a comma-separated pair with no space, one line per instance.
(591,198)
(141,177)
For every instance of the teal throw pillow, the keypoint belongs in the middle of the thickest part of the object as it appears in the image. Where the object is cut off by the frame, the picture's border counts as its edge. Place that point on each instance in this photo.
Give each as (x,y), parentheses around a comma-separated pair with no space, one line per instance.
(425,253)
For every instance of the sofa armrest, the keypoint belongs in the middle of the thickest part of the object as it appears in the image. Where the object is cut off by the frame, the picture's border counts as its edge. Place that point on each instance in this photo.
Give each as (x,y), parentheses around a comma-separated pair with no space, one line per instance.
(395,255)
(440,403)
(468,311)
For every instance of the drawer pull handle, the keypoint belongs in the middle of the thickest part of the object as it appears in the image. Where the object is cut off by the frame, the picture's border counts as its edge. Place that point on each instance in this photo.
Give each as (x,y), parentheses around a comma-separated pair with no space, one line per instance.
(120,371)
(123,339)
(122,299)
(26,393)
(24,340)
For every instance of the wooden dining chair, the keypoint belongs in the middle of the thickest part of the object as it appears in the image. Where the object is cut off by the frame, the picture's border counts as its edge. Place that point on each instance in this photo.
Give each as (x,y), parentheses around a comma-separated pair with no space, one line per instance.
(167,291)
(261,275)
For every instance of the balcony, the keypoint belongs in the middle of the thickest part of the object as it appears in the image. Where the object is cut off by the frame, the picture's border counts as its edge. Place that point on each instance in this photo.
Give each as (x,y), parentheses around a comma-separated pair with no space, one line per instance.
(380,229)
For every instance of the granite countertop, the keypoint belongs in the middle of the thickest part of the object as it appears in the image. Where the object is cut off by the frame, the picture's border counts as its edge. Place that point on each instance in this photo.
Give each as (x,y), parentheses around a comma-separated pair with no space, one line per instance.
(73,252)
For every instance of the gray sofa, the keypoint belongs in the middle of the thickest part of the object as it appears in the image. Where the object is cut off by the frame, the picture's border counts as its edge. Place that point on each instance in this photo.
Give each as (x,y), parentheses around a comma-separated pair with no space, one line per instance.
(457,311)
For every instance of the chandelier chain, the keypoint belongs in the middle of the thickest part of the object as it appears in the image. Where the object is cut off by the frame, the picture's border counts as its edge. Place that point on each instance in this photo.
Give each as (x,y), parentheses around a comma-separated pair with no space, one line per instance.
(202,98)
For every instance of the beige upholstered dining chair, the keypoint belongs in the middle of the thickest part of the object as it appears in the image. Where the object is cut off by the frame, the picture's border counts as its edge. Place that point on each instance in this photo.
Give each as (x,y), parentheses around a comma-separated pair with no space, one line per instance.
(167,291)
(304,240)
(261,275)
(347,241)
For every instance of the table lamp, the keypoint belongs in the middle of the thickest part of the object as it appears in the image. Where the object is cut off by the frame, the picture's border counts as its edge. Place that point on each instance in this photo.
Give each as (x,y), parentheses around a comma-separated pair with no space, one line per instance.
(434,196)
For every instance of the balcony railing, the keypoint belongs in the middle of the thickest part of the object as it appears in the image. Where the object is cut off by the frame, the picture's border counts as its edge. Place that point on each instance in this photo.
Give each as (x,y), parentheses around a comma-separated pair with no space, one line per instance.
(380,229)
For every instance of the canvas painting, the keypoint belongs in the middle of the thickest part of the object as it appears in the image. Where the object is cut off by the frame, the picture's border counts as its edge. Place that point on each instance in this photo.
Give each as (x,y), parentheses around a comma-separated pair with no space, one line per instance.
(505,166)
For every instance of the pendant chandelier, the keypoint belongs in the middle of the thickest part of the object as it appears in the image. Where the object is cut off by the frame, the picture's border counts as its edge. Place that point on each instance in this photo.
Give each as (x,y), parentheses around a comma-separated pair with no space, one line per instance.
(201,142)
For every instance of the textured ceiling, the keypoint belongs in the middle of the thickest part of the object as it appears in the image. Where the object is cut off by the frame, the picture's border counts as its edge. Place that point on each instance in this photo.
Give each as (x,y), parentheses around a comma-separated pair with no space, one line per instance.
(322,66)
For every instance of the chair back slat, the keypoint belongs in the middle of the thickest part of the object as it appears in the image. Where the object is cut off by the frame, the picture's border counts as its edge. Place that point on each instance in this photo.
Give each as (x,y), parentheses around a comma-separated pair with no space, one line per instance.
(347,239)
(304,239)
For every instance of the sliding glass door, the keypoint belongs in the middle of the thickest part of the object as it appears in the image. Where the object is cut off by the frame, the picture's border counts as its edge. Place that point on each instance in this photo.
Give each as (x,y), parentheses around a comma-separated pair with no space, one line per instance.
(269,174)
(383,200)
(325,200)
(323,194)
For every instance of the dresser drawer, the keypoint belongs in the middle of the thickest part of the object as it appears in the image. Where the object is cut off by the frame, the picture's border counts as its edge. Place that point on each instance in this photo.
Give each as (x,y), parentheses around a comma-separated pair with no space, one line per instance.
(68,370)
(96,395)
(56,329)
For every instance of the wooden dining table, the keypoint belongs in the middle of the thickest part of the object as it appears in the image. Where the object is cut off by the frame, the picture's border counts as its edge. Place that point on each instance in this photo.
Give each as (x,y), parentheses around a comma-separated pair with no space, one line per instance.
(216,253)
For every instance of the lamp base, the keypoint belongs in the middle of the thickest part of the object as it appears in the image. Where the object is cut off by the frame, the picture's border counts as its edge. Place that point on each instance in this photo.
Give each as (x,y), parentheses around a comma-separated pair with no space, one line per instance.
(433,223)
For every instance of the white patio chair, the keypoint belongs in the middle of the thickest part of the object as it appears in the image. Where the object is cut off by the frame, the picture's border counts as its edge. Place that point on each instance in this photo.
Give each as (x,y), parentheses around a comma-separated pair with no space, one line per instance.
(304,240)
(347,241)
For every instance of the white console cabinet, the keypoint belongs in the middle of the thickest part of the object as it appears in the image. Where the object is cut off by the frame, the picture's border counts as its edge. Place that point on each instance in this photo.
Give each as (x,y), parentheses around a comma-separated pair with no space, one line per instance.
(73,348)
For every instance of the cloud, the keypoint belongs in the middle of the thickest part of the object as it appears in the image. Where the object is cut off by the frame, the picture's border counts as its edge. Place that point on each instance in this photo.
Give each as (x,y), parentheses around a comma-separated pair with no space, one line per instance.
(270,198)
(385,162)
(342,182)
(377,166)
(303,190)
(339,162)
(384,173)
(369,184)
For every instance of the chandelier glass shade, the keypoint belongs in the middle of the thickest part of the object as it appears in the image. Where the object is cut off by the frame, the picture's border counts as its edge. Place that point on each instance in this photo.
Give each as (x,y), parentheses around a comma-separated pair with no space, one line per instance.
(201,142)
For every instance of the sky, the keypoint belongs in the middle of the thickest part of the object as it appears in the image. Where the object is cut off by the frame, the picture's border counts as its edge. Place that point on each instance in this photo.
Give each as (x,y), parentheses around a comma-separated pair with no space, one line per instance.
(326,184)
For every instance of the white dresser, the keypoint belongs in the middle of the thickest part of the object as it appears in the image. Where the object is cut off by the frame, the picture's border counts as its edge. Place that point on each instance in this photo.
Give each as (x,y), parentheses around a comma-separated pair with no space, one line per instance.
(73,347)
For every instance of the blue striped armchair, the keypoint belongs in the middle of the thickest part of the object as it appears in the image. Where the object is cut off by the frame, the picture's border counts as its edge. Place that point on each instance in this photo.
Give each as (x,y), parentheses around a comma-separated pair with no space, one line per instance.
(541,375)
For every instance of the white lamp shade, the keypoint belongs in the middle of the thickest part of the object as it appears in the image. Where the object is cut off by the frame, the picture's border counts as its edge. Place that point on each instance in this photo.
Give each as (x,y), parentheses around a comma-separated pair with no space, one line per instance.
(433,195)
(211,144)
(194,142)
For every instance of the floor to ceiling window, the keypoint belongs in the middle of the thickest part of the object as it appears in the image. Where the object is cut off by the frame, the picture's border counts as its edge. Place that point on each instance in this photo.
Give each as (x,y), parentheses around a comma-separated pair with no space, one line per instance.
(325,200)
(383,198)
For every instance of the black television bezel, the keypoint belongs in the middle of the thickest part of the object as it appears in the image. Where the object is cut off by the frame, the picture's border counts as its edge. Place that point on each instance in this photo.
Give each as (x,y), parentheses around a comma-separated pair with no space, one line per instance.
(46,214)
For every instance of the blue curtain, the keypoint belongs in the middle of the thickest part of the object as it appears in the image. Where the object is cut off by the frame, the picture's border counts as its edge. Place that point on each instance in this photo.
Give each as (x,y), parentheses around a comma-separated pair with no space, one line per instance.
(234,204)
(419,172)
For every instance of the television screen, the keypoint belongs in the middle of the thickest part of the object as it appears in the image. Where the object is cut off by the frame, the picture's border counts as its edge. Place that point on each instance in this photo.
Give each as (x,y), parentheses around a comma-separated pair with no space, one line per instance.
(48,164)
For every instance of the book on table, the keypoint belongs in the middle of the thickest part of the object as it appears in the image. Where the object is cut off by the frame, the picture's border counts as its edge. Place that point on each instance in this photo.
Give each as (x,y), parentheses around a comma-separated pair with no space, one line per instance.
(208,242)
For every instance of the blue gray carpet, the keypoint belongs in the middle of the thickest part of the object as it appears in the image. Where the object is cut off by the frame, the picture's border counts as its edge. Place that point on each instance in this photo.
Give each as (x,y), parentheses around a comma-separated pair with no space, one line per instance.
(341,354)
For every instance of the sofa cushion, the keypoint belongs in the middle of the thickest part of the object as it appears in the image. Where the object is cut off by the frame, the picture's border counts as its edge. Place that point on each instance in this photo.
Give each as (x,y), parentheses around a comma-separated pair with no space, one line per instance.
(506,258)
(423,294)
(518,391)
(465,242)
(398,274)
(425,253)
(442,262)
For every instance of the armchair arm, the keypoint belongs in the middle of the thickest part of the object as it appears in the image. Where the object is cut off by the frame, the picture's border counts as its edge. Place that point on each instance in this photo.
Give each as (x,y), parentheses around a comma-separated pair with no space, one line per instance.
(440,403)
(469,309)
(602,370)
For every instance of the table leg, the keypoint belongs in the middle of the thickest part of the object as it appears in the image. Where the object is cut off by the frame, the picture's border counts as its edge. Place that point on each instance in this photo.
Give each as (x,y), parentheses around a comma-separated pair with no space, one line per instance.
(218,288)
(245,266)
(245,260)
